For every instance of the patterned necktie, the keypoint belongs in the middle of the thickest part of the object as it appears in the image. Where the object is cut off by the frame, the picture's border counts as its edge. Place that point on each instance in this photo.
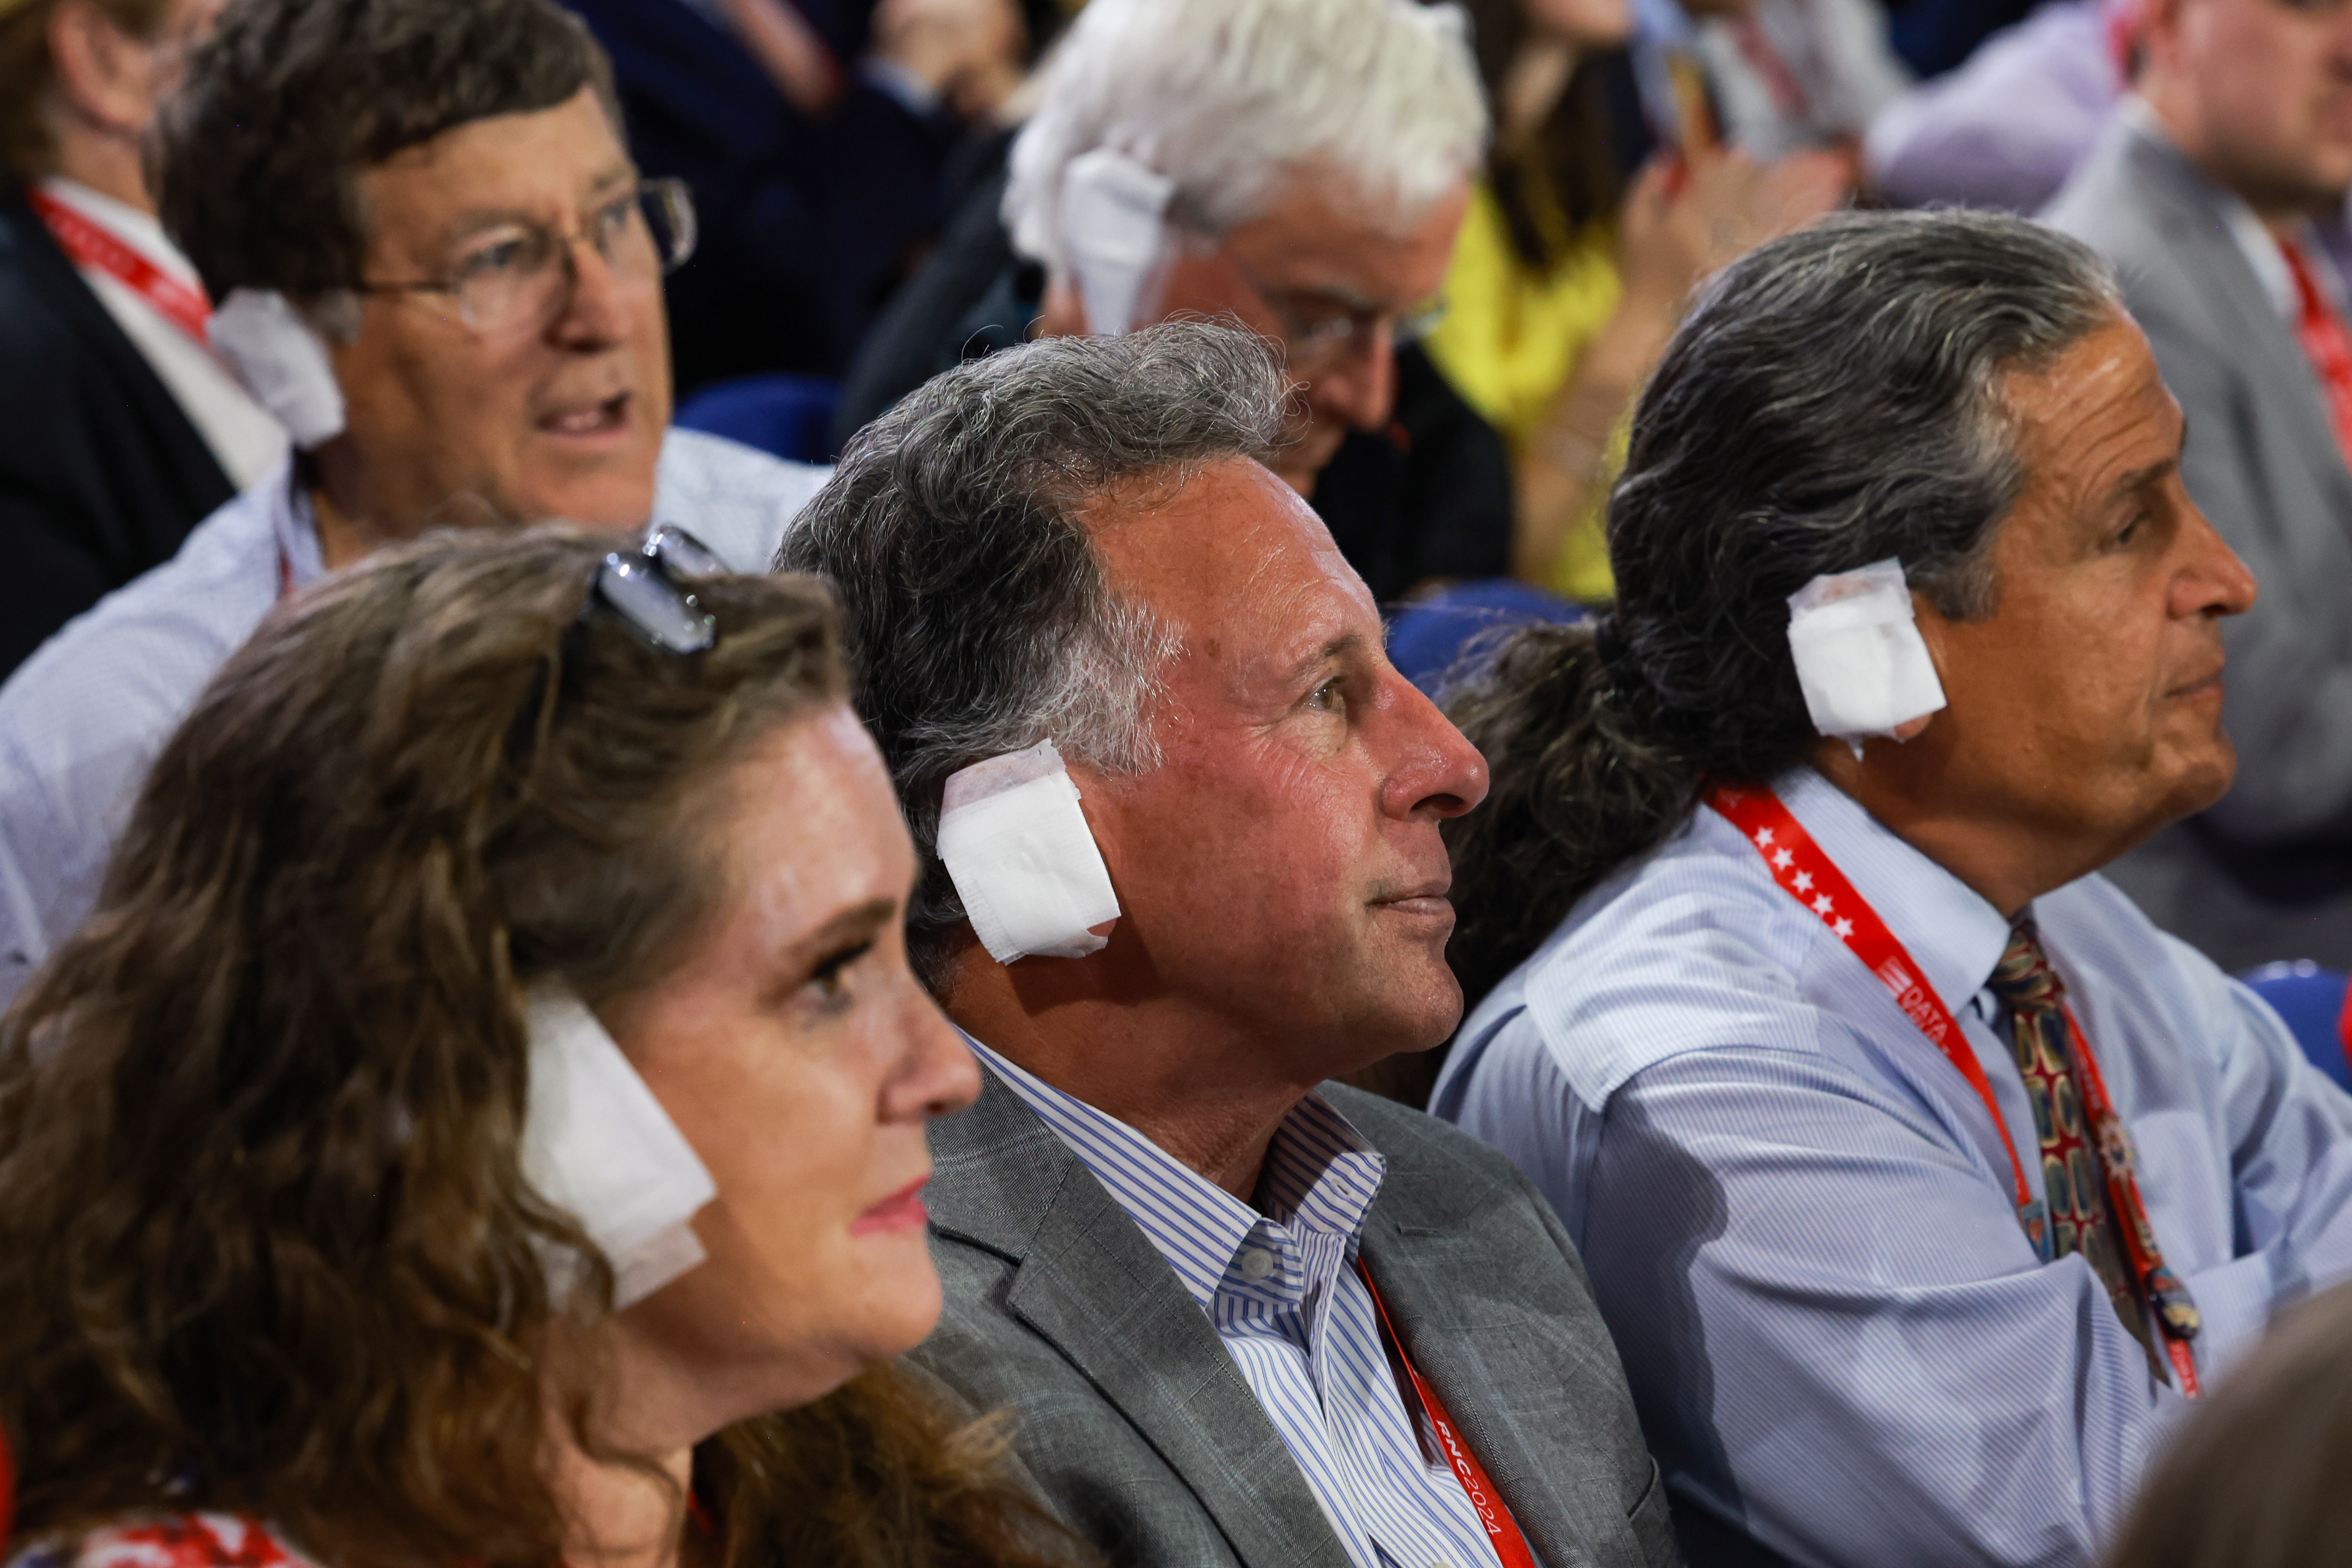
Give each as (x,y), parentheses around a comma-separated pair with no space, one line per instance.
(2073,1169)
(2325,342)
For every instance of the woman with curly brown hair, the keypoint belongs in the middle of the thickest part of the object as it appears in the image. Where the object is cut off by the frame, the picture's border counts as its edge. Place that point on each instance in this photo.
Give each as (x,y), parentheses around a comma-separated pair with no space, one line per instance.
(294,1264)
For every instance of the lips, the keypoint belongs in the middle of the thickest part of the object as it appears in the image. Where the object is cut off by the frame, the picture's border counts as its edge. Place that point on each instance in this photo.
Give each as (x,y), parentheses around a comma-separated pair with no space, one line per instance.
(2209,681)
(604,416)
(902,1210)
(1422,898)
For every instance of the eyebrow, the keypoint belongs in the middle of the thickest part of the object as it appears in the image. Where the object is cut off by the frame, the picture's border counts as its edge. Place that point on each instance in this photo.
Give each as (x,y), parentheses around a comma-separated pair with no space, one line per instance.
(469,224)
(2141,478)
(857,921)
(1340,646)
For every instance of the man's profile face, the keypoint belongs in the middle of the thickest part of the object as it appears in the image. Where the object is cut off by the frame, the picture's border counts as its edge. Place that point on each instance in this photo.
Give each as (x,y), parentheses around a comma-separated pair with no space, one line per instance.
(2087,706)
(559,416)
(2271,84)
(1282,868)
(1315,258)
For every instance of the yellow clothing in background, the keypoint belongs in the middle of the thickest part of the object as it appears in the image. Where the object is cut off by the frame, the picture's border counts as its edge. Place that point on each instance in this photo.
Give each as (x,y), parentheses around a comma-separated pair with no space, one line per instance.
(1511,340)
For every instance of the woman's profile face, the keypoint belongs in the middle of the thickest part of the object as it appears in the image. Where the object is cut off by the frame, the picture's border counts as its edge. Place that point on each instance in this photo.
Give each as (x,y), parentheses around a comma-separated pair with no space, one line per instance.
(798,1054)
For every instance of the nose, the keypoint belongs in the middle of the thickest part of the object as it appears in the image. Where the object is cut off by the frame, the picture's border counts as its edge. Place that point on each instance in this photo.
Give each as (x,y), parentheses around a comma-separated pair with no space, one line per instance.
(595,313)
(2213,581)
(1437,773)
(937,1073)
(1360,388)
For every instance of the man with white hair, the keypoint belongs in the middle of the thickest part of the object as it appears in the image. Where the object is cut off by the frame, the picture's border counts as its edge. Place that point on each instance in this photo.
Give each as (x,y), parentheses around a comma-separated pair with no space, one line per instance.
(1301,166)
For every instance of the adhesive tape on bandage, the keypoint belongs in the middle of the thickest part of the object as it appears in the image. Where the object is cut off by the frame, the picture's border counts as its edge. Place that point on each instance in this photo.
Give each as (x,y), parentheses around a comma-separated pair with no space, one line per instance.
(282,361)
(598,1145)
(1863,664)
(1024,861)
(1111,230)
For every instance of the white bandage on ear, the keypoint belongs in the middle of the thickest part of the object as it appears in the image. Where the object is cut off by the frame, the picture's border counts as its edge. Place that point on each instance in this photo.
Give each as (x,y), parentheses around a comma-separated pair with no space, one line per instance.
(1860,658)
(1111,228)
(598,1145)
(282,361)
(1024,861)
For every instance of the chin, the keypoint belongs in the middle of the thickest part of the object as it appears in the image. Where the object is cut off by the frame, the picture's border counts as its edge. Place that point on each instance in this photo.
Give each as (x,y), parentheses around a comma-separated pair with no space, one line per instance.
(612,493)
(1416,1018)
(901,1302)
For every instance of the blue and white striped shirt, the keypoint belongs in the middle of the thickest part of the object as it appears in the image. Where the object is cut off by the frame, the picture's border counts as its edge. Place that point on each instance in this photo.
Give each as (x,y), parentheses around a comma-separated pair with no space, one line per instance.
(1281,1289)
(1799,1219)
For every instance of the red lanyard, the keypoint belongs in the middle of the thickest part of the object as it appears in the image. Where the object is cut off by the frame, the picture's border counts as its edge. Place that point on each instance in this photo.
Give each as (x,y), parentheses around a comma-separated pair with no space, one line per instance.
(1813,878)
(86,244)
(2325,342)
(1502,1529)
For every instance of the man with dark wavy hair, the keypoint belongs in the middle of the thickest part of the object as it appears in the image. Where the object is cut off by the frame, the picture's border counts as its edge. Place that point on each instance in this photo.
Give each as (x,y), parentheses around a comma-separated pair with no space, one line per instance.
(1921,1179)
(435,264)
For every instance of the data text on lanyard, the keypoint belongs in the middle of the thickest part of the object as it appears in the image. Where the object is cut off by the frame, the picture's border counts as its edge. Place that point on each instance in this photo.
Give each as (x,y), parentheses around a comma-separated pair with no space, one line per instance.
(1808,874)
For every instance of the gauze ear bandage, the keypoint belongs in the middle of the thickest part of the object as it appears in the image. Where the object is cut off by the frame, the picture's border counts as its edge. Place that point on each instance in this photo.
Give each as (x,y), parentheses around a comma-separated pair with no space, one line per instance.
(1860,658)
(598,1145)
(279,358)
(1023,858)
(1111,229)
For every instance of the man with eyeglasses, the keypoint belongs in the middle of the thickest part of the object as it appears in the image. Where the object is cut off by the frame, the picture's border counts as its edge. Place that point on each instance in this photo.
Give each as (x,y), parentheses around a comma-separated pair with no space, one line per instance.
(434,261)
(1300,166)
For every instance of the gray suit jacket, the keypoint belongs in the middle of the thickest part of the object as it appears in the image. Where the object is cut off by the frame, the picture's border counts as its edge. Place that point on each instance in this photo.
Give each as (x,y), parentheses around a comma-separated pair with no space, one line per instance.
(2267,873)
(1141,1431)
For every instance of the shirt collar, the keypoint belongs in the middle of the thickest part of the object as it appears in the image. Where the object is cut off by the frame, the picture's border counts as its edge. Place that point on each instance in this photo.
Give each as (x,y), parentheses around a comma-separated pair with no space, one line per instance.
(295,525)
(1951,933)
(1321,1176)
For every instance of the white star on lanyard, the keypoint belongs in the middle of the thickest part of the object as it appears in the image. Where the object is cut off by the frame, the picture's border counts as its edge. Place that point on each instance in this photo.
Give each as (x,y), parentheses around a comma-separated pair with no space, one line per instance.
(1803,882)
(1845,928)
(1763,838)
(1782,860)
(1823,906)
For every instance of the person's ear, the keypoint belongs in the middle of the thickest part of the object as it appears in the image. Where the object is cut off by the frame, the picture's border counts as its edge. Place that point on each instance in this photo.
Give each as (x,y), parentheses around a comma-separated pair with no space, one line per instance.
(2156,34)
(1913,729)
(1934,634)
(105,75)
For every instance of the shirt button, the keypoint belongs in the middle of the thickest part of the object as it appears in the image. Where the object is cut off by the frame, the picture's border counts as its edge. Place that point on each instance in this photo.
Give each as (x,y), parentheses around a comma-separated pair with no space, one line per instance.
(1256,1263)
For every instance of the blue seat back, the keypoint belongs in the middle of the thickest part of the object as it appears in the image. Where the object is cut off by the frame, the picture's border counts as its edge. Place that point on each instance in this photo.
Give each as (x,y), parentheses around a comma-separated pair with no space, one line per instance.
(786,415)
(2311,1000)
(1442,637)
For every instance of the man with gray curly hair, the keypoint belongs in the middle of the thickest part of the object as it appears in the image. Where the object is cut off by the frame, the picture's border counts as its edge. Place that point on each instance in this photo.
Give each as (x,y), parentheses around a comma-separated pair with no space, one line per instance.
(1299,166)
(1243,1314)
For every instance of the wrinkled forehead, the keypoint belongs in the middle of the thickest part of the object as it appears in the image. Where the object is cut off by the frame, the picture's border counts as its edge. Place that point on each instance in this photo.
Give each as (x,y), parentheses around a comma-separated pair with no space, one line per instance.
(1230,559)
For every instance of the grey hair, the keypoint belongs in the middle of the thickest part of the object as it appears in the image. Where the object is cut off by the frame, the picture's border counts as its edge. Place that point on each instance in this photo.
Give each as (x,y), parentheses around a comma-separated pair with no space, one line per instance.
(1835,398)
(1224,97)
(976,614)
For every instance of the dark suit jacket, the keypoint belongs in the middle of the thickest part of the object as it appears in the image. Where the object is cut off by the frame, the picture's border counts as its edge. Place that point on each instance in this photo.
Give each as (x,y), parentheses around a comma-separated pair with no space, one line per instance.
(805,224)
(1141,1431)
(101,475)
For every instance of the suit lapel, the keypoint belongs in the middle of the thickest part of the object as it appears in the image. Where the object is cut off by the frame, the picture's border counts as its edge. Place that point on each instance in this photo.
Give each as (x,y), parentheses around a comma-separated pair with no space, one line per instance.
(1093,1286)
(1407,1250)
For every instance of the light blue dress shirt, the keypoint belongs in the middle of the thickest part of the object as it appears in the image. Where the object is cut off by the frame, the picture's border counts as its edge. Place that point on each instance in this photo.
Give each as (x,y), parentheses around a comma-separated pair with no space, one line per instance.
(81,719)
(1282,1290)
(1800,1219)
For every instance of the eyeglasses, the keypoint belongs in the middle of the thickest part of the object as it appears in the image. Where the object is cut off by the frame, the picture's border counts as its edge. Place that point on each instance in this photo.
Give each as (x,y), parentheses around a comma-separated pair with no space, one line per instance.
(648,589)
(1313,341)
(516,276)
